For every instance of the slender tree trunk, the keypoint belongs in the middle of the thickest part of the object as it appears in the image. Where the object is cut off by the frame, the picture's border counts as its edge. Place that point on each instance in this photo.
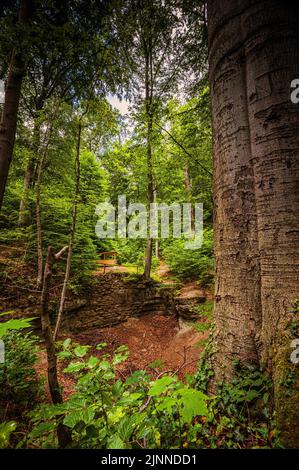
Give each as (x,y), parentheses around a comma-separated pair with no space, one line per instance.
(254,55)
(150,176)
(188,186)
(157,248)
(150,199)
(72,235)
(40,168)
(30,171)
(29,174)
(63,433)
(157,239)
(8,123)
(39,280)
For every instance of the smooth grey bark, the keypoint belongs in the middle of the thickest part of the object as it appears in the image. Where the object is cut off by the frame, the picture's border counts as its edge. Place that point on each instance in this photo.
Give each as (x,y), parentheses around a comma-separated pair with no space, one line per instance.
(254,55)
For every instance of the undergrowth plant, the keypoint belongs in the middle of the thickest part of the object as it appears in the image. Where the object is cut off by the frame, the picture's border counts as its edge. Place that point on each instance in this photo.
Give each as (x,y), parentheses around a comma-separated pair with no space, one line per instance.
(19,382)
(109,410)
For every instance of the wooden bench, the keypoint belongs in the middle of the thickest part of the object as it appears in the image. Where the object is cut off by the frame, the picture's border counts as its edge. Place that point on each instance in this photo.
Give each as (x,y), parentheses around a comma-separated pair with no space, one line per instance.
(107,259)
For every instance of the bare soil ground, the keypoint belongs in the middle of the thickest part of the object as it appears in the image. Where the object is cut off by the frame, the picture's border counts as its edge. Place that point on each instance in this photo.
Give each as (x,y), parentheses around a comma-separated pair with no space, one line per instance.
(156,343)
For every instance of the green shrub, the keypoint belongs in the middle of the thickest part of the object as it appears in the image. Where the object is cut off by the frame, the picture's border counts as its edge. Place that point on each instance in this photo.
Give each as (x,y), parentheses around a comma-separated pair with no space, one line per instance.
(192,264)
(106,412)
(19,382)
(109,411)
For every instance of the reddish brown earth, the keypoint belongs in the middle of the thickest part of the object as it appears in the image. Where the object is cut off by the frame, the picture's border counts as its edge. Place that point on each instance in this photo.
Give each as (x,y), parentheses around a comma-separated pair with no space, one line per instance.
(150,338)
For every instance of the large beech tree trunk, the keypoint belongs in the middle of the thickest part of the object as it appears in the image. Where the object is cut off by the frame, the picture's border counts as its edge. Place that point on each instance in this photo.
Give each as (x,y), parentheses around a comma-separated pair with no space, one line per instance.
(8,122)
(254,56)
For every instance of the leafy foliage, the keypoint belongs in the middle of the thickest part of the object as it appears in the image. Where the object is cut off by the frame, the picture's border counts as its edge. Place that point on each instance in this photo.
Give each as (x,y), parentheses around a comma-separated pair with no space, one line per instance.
(19,382)
(106,412)
(13,324)
(110,411)
(194,264)
(6,429)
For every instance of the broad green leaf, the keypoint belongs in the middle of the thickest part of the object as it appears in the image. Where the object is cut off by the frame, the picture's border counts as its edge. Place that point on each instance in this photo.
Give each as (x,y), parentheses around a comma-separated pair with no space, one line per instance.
(75,417)
(115,442)
(74,367)
(64,355)
(15,324)
(92,362)
(117,388)
(126,427)
(80,351)
(41,429)
(191,403)
(160,385)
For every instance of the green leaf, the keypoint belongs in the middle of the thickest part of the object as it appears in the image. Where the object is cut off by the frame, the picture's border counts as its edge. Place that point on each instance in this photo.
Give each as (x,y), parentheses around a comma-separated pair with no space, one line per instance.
(117,388)
(192,403)
(120,357)
(160,385)
(41,429)
(5,430)
(64,355)
(167,404)
(15,324)
(115,442)
(100,346)
(75,417)
(126,427)
(92,362)
(80,351)
(252,395)
(8,312)
(66,343)
(74,367)
(129,399)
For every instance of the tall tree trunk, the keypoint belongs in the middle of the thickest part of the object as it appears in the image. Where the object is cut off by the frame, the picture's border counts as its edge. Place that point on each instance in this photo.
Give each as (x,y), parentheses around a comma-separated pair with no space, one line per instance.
(72,235)
(150,199)
(188,186)
(150,176)
(272,63)
(39,280)
(254,55)
(9,116)
(237,290)
(30,171)
(40,168)
(157,248)
(63,433)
